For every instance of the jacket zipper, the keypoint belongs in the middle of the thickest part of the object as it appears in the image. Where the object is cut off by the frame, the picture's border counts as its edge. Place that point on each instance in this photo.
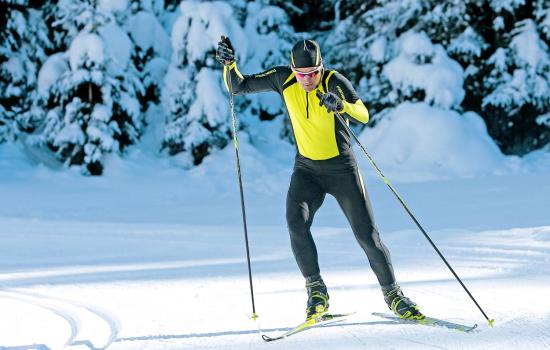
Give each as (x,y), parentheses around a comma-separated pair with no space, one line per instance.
(307,105)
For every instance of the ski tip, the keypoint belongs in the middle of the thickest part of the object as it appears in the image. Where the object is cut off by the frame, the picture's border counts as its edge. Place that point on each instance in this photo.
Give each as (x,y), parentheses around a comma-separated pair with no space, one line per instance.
(491,322)
(268,339)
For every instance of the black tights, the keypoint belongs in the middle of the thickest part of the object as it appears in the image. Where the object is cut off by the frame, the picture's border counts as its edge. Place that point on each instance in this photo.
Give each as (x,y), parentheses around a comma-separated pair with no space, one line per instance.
(305,196)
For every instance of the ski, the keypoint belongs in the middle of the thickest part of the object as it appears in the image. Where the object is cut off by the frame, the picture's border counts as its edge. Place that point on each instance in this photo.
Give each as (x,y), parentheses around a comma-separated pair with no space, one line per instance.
(428,321)
(320,320)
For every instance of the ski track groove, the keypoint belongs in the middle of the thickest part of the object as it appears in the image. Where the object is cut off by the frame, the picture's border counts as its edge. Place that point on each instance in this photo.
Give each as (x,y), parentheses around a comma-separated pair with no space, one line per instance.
(424,344)
(542,330)
(70,318)
(112,322)
(356,337)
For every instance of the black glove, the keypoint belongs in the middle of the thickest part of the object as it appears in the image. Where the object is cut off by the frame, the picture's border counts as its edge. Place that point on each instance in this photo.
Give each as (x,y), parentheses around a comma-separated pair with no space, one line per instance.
(331,101)
(225,54)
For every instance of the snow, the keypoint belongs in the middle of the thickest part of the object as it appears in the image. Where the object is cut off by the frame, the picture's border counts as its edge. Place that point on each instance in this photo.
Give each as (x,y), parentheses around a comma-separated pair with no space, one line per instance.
(51,71)
(378,48)
(118,43)
(147,33)
(528,46)
(528,56)
(498,23)
(469,43)
(200,27)
(112,5)
(421,65)
(156,6)
(157,68)
(210,102)
(498,59)
(506,5)
(69,133)
(14,67)
(418,140)
(86,48)
(151,256)
(543,119)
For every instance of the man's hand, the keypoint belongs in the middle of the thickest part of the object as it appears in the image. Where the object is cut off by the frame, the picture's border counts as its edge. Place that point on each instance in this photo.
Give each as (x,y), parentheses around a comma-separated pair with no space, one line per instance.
(225,54)
(331,101)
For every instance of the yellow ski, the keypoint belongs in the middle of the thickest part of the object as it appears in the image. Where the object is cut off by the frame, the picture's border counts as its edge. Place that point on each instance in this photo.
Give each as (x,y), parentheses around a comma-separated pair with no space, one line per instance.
(317,320)
(428,321)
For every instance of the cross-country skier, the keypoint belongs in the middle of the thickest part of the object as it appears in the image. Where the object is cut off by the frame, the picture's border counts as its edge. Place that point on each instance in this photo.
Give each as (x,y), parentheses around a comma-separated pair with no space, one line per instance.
(324,163)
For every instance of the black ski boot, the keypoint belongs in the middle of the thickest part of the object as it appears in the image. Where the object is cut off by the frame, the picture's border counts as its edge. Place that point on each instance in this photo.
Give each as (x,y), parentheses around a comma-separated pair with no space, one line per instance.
(400,304)
(317,301)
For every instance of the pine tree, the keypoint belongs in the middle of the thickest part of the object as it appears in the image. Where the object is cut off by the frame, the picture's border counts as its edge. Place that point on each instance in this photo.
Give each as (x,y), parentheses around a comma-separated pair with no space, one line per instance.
(152,50)
(482,36)
(309,15)
(519,90)
(198,120)
(271,26)
(90,100)
(195,100)
(22,50)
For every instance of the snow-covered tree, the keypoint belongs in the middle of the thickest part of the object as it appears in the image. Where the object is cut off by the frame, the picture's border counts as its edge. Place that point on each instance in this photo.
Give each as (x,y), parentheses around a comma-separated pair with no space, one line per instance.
(197,114)
(483,36)
(388,52)
(542,16)
(422,71)
(152,51)
(23,39)
(67,18)
(81,75)
(271,26)
(309,15)
(195,100)
(519,89)
(156,7)
(90,94)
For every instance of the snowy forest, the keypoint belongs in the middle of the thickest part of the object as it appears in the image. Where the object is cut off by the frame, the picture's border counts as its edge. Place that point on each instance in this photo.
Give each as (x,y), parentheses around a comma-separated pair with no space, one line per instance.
(129,219)
(82,79)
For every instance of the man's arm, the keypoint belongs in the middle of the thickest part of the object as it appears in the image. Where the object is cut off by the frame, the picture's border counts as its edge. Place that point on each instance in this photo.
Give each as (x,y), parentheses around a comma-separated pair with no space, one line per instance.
(353,106)
(269,80)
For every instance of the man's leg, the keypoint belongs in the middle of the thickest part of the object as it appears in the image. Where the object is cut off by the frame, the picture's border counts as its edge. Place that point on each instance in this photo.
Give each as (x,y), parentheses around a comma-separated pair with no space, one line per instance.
(349,191)
(354,201)
(304,198)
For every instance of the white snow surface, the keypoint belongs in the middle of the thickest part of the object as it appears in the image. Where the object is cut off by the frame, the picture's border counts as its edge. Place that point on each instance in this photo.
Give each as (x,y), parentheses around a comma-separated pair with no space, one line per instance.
(150,256)
(422,65)
(51,71)
(431,142)
(200,26)
(147,33)
(86,47)
(112,5)
(118,43)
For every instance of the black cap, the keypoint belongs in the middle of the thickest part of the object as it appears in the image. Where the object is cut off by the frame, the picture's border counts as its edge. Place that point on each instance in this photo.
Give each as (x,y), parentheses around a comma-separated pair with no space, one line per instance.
(306,53)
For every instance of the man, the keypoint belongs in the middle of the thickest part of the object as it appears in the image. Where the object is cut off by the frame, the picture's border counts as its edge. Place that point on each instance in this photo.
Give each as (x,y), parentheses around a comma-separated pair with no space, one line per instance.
(324,163)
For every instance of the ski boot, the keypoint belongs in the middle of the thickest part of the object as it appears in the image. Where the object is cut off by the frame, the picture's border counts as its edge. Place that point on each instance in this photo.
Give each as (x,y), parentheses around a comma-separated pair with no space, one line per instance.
(400,304)
(317,301)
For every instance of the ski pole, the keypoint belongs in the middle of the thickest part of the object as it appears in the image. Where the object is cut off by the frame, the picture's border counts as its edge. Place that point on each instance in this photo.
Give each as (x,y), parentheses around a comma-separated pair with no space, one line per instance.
(394,191)
(236,143)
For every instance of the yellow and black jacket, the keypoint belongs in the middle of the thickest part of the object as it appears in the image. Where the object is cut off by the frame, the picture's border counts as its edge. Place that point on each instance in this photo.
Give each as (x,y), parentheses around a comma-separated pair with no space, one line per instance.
(318,135)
